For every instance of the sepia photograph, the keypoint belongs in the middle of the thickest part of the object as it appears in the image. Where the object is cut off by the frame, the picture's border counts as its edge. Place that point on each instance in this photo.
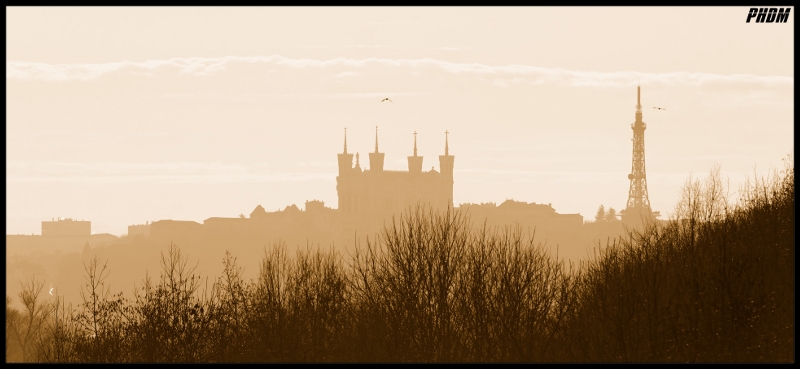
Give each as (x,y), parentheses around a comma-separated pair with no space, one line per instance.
(400,184)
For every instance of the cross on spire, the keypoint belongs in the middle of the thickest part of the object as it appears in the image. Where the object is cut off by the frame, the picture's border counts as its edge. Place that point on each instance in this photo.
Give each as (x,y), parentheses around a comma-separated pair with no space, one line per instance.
(446,148)
(345,140)
(415,143)
(376,139)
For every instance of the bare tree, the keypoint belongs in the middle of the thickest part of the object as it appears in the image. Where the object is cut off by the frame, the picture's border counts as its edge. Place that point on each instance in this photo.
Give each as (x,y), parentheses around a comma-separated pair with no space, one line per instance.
(28,326)
(58,342)
(12,317)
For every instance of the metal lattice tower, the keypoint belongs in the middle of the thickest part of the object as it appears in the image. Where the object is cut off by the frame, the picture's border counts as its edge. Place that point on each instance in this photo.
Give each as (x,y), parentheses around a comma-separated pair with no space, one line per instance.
(638,207)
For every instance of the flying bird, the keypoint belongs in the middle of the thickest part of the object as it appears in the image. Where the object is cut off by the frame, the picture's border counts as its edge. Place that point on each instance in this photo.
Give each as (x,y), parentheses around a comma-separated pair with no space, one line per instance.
(655,107)
(387,99)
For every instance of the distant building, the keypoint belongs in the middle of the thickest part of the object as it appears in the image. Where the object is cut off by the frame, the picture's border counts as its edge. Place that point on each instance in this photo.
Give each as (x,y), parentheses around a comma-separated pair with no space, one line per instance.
(66,227)
(139,230)
(315,205)
(524,214)
(258,213)
(369,196)
(168,229)
(369,200)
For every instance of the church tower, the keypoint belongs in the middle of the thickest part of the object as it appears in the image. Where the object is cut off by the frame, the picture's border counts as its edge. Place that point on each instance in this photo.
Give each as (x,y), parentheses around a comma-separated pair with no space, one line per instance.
(376,158)
(446,168)
(345,159)
(415,162)
(343,181)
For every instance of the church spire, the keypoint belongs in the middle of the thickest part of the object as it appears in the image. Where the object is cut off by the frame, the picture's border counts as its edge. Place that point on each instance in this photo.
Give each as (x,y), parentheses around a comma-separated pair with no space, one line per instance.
(415,143)
(345,159)
(446,148)
(415,162)
(345,140)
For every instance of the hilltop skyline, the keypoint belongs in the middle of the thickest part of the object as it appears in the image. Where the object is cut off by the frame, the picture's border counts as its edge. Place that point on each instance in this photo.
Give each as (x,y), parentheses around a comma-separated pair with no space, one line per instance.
(126,115)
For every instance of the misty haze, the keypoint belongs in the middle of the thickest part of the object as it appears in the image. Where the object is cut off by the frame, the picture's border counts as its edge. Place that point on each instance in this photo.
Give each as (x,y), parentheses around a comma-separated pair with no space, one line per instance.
(399,185)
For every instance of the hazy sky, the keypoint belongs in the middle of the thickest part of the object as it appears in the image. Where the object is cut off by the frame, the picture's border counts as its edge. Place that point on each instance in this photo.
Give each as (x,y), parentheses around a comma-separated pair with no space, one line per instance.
(126,115)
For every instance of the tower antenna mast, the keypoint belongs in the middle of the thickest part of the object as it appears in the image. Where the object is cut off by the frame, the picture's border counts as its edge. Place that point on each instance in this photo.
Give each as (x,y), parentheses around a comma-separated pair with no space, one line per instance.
(638,206)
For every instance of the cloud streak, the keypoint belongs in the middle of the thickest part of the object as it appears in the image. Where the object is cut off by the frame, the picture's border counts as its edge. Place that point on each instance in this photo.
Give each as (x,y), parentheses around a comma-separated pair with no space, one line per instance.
(362,46)
(163,173)
(214,178)
(367,95)
(502,75)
